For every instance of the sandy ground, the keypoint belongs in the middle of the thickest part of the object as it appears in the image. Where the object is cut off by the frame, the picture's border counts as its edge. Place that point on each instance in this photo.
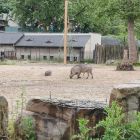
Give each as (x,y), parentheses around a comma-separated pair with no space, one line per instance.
(30,80)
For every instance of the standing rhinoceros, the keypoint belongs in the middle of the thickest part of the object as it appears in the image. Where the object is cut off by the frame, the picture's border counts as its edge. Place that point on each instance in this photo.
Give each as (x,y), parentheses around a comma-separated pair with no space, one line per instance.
(81,68)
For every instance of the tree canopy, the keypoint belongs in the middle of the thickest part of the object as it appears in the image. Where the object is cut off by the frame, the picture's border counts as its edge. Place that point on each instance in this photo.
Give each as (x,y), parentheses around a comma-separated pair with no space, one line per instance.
(4,7)
(34,14)
(104,16)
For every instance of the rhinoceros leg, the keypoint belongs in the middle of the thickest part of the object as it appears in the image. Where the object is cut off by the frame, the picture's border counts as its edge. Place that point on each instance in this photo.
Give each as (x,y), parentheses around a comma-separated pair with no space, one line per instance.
(78,75)
(87,75)
(91,74)
(71,75)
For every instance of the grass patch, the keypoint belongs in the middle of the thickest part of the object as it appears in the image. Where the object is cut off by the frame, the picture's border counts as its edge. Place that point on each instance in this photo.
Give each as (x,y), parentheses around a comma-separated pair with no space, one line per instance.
(137,64)
(8,62)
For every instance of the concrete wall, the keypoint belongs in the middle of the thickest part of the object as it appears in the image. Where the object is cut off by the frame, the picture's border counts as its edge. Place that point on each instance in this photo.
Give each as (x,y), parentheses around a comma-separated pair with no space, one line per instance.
(90,46)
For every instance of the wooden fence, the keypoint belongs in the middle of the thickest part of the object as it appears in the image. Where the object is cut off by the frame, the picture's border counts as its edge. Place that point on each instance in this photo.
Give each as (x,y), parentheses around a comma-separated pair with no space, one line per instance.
(102,53)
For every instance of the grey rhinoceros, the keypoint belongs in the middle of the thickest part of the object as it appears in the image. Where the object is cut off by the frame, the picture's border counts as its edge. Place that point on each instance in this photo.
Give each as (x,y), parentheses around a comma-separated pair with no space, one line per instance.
(81,68)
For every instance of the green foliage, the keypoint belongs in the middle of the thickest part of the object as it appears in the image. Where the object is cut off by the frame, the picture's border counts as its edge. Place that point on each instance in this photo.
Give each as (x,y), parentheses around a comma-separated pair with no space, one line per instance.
(133,128)
(88,61)
(83,130)
(7,62)
(27,125)
(4,6)
(38,15)
(115,126)
(113,123)
(136,64)
(11,130)
(106,17)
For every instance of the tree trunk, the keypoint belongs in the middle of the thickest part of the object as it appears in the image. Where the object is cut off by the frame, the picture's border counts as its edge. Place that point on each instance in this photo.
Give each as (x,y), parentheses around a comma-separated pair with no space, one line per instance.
(131,41)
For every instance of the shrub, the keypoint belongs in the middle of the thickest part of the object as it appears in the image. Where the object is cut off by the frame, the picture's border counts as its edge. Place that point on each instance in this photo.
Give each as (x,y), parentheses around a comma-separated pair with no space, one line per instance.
(83,130)
(116,128)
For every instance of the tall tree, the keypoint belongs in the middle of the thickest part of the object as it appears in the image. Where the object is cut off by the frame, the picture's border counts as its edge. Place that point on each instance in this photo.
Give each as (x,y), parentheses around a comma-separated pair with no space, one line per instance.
(128,11)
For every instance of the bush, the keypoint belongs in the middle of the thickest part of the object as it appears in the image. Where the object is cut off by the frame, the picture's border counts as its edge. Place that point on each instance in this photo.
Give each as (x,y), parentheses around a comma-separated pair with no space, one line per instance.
(27,125)
(116,128)
(83,130)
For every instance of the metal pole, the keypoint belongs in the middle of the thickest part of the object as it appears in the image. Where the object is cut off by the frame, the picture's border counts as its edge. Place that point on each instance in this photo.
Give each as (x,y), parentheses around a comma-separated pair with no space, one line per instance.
(65,31)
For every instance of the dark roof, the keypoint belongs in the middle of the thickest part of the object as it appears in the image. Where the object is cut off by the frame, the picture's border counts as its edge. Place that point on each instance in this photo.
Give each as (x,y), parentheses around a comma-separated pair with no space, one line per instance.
(108,40)
(52,40)
(9,38)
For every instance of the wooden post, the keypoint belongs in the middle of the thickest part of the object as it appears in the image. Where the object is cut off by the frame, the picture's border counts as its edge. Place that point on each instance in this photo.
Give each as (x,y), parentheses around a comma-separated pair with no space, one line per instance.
(65,31)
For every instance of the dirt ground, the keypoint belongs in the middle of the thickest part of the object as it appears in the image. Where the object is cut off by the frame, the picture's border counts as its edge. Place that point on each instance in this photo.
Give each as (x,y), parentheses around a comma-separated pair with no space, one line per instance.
(30,80)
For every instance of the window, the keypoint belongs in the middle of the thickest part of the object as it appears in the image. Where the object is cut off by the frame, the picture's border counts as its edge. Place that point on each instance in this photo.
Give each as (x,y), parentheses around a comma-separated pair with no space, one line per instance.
(22,56)
(44,57)
(51,57)
(29,57)
(75,58)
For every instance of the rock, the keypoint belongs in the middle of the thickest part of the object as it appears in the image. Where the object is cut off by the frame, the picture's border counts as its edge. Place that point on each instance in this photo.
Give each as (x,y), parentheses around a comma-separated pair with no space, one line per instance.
(48,73)
(3,118)
(57,119)
(127,96)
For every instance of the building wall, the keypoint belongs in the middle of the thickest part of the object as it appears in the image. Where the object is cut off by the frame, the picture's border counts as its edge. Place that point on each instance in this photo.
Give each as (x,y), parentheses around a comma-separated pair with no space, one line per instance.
(7,51)
(90,45)
(39,53)
(46,53)
(7,48)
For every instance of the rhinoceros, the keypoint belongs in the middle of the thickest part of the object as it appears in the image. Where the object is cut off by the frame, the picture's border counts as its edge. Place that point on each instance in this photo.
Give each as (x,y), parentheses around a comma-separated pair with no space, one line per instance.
(81,68)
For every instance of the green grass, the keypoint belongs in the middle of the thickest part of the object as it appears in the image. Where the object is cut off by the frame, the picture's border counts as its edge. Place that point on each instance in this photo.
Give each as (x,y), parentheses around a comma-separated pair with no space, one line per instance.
(137,64)
(8,62)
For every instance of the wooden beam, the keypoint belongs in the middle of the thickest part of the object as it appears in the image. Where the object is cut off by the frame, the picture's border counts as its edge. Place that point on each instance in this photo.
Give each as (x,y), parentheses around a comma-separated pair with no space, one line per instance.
(65,31)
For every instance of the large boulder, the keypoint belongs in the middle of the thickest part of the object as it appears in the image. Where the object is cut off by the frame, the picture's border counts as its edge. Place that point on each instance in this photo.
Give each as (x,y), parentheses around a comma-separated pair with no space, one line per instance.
(128,97)
(57,119)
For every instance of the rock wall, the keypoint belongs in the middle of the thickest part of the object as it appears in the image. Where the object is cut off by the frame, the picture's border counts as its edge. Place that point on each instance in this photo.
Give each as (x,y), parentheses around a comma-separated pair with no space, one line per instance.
(57,120)
(128,97)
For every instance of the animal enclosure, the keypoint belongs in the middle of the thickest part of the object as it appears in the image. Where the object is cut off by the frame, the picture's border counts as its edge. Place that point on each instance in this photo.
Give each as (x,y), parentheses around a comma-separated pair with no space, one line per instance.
(30,80)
